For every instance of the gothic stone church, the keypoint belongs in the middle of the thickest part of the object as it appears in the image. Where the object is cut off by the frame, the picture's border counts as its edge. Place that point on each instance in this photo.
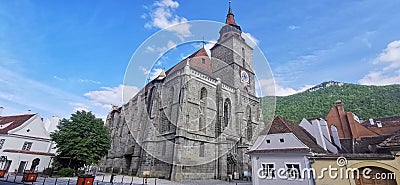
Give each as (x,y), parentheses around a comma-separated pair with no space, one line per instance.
(195,120)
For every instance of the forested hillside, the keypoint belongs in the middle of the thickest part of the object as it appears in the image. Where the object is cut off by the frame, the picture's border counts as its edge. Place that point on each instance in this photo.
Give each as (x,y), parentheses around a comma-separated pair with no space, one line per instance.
(365,101)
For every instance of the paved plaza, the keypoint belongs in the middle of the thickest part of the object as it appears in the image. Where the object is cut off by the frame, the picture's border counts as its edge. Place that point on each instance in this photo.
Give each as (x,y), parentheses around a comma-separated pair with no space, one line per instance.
(118,180)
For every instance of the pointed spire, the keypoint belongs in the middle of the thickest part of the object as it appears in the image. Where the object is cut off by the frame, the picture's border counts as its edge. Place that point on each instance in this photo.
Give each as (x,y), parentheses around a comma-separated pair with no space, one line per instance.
(230,9)
(230,18)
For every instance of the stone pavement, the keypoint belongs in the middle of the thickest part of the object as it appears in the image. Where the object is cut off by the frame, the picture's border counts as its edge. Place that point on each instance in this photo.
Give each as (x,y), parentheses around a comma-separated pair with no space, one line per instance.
(118,180)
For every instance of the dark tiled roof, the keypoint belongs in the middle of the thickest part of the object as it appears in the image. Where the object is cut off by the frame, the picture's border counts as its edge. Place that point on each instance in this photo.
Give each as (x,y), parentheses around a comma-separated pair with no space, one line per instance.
(394,140)
(280,125)
(15,121)
(390,125)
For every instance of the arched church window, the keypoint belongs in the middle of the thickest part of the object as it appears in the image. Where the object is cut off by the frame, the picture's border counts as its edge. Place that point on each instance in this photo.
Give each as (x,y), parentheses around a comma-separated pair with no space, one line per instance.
(170,105)
(227,111)
(150,101)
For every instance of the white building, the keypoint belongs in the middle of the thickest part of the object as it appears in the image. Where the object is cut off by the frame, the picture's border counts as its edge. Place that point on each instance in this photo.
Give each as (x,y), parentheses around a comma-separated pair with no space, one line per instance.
(25,141)
(318,128)
(281,153)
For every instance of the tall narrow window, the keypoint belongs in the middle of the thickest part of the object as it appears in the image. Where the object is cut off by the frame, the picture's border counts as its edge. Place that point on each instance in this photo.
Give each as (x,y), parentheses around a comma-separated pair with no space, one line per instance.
(227,111)
(164,148)
(150,99)
(203,108)
(170,105)
(203,93)
(201,150)
(243,57)
(201,121)
(249,124)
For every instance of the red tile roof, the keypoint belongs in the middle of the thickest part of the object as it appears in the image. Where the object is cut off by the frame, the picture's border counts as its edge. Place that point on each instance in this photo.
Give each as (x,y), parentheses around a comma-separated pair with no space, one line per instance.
(15,121)
(195,62)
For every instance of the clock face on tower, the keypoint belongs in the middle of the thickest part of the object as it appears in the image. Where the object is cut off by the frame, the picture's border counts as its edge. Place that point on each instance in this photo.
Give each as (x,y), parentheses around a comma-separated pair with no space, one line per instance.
(244,77)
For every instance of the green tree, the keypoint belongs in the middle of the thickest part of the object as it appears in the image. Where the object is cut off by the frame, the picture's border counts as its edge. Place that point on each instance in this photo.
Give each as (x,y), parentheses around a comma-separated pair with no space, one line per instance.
(81,140)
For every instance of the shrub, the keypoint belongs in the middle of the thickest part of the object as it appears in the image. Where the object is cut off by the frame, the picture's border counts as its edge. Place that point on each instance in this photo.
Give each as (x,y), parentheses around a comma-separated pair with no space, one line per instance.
(66,172)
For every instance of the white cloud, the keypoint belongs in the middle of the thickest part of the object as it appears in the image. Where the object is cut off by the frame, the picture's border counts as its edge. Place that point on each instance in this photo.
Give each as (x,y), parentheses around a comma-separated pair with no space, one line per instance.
(293,27)
(161,50)
(89,81)
(379,78)
(145,71)
(250,39)
(163,16)
(390,55)
(79,106)
(154,73)
(209,45)
(270,88)
(390,74)
(112,95)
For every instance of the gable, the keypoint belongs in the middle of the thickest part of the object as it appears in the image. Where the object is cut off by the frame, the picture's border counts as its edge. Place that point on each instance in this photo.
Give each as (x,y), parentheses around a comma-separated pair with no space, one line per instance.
(32,128)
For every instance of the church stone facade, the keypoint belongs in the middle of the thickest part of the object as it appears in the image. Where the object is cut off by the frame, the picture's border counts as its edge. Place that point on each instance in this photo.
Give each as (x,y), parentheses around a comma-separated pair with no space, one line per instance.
(194,121)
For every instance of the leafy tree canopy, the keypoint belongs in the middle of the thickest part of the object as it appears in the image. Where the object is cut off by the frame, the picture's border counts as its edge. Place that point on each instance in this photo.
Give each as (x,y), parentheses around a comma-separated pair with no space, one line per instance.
(81,140)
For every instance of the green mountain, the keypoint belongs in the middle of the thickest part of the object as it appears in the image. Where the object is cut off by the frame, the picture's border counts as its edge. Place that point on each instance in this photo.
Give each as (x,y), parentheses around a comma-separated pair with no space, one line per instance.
(365,101)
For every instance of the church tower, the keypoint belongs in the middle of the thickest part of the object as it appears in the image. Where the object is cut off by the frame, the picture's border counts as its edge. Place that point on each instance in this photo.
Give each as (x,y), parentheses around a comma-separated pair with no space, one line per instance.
(232,57)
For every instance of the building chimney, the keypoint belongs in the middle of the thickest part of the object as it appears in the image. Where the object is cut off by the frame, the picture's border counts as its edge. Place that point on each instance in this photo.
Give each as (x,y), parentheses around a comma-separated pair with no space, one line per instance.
(371,121)
(28,112)
(1,110)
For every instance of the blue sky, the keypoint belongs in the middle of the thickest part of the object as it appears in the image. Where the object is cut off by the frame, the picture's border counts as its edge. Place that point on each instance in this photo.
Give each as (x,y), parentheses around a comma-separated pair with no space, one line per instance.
(61,56)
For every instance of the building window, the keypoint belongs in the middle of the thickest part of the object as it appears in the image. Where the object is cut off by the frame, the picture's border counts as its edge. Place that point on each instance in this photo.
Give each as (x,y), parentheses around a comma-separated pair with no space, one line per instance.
(249,124)
(243,57)
(227,111)
(201,124)
(293,170)
(203,93)
(27,146)
(281,140)
(202,150)
(203,60)
(2,143)
(268,170)
(164,148)
(268,141)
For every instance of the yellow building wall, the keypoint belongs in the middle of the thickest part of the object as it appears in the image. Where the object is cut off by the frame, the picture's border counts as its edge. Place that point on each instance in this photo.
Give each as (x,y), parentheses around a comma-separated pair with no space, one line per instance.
(319,164)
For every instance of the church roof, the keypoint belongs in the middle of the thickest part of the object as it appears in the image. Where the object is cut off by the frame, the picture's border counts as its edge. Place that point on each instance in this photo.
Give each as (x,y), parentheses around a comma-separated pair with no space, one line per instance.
(199,60)
(8,123)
